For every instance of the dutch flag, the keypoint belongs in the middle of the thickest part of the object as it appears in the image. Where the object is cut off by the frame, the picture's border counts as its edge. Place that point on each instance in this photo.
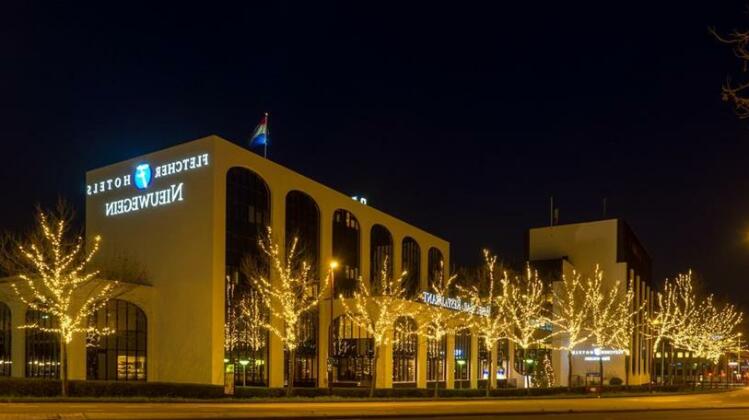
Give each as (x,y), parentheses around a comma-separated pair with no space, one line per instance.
(260,138)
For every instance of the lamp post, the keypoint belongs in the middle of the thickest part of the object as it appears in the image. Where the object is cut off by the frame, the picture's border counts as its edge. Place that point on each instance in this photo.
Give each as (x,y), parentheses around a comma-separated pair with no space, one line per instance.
(333,267)
(244,364)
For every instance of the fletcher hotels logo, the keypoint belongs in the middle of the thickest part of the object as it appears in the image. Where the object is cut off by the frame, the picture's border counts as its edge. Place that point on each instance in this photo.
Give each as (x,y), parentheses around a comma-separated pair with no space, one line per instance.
(142,176)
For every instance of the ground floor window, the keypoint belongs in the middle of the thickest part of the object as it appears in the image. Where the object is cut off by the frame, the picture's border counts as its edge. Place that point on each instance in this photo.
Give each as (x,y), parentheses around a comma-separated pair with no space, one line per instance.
(42,348)
(462,359)
(245,339)
(436,358)
(352,353)
(5,335)
(405,345)
(121,355)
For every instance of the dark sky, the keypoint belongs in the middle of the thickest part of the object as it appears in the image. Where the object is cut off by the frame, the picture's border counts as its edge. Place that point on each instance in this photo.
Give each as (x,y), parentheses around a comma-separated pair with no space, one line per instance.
(460,118)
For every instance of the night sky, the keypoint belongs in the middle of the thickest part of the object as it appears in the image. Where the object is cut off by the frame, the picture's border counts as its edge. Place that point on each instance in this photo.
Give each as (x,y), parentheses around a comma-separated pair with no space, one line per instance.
(461,119)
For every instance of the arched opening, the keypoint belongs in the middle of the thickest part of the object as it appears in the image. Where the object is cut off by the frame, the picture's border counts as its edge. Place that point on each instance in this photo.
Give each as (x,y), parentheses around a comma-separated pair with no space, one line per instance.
(380,250)
(405,347)
(247,218)
(303,224)
(353,353)
(463,358)
(411,264)
(42,347)
(346,252)
(120,356)
(6,360)
(434,264)
(436,359)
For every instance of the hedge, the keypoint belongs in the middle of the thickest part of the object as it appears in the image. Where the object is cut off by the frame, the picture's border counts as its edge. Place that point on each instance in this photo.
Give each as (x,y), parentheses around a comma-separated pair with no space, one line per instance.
(22,387)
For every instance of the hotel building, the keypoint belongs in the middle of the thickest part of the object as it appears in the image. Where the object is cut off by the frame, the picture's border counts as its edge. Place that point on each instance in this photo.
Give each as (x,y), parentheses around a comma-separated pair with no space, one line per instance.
(189,216)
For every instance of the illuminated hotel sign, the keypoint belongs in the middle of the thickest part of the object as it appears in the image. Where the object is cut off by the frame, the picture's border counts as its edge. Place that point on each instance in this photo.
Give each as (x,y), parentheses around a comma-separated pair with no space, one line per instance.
(455,304)
(142,178)
(597,354)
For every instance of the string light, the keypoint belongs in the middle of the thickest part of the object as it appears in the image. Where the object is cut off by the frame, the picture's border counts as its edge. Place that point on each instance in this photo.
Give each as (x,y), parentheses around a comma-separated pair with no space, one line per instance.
(287,300)
(55,280)
(377,313)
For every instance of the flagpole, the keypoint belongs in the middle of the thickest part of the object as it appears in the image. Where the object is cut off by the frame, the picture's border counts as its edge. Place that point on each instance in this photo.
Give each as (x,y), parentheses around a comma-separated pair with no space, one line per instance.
(267,137)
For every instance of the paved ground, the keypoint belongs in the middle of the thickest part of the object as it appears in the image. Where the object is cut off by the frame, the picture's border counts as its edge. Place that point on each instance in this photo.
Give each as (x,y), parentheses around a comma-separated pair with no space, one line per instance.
(728,405)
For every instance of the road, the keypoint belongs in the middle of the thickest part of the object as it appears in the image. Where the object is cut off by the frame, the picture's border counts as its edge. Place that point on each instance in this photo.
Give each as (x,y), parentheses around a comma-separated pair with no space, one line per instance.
(727,405)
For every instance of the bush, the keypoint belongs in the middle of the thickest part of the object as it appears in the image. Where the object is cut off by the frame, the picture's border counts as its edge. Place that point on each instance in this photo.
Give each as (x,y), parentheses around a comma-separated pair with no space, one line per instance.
(23,387)
(615,381)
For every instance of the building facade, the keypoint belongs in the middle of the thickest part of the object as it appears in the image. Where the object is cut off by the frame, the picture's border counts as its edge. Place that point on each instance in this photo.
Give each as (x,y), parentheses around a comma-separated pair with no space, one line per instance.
(190,217)
(610,244)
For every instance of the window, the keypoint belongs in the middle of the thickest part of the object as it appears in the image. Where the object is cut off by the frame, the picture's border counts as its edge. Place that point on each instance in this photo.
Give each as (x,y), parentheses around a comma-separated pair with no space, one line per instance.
(405,344)
(381,249)
(435,266)
(463,358)
(5,336)
(42,348)
(120,356)
(303,224)
(346,252)
(436,352)
(353,351)
(411,264)
(247,218)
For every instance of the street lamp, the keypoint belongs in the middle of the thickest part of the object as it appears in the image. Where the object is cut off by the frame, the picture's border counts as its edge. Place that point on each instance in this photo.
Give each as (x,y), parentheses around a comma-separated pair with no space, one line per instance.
(244,364)
(333,267)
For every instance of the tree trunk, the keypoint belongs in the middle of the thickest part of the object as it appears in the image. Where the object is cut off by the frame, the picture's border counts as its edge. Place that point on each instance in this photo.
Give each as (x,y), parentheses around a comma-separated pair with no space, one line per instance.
(64,366)
(569,370)
(290,386)
(663,363)
(491,369)
(600,372)
(373,385)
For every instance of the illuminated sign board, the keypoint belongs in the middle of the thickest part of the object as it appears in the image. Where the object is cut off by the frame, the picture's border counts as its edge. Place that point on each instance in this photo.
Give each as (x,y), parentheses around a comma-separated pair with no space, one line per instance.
(455,304)
(142,178)
(597,354)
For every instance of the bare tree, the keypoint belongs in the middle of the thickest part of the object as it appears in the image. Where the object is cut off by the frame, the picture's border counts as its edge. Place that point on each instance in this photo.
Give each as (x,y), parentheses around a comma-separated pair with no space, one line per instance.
(50,273)
(376,313)
(735,93)
(571,316)
(296,293)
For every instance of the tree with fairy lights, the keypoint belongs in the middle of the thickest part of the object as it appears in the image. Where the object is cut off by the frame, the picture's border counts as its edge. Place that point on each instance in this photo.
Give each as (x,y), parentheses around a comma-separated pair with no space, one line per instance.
(440,322)
(377,313)
(51,268)
(485,317)
(571,316)
(295,293)
(611,315)
(524,303)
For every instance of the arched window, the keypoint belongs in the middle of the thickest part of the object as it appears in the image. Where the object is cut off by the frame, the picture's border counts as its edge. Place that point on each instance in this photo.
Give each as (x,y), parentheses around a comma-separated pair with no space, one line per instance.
(435,267)
(380,250)
(463,358)
(120,356)
(5,335)
(405,345)
(42,348)
(436,358)
(346,252)
(353,351)
(303,223)
(411,263)
(247,218)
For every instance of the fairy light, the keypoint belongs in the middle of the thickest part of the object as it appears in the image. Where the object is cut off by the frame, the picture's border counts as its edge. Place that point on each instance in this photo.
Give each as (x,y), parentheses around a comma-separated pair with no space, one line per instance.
(440,321)
(524,304)
(293,295)
(377,313)
(570,315)
(490,327)
(54,279)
